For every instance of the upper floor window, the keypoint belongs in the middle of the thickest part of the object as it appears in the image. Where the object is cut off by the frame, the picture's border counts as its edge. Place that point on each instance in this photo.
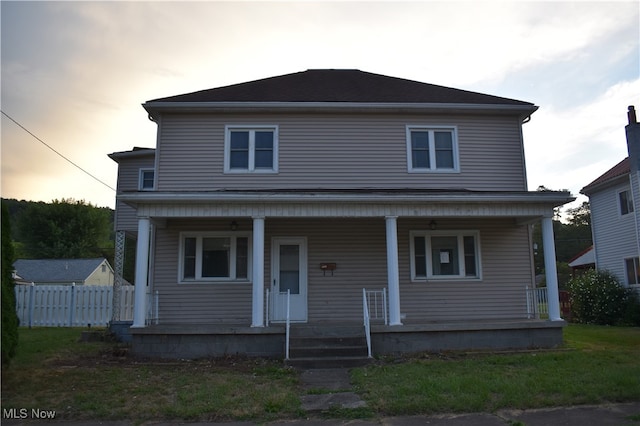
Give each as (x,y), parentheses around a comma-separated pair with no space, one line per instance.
(445,255)
(251,149)
(215,256)
(146,179)
(625,201)
(432,149)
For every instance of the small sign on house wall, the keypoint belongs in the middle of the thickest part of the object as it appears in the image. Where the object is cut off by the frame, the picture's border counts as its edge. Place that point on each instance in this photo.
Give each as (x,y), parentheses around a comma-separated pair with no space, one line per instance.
(327,267)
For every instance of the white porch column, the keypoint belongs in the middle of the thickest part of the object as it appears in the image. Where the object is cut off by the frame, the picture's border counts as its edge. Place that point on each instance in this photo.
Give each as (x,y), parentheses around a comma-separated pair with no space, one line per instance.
(142,271)
(393,276)
(257,311)
(551,273)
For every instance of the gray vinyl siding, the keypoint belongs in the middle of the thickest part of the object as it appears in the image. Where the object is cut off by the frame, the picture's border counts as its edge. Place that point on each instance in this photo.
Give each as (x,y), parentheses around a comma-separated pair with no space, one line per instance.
(358,247)
(340,151)
(615,235)
(128,180)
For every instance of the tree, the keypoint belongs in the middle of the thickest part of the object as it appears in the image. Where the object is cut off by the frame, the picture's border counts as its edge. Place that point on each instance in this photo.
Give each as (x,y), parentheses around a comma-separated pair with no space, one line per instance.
(65,229)
(9,316)
(580,216)
(571,238)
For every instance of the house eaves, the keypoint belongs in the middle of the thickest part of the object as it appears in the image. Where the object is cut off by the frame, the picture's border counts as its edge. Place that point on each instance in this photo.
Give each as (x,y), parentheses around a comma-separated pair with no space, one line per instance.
(551,198)
(381,107)
(134,153)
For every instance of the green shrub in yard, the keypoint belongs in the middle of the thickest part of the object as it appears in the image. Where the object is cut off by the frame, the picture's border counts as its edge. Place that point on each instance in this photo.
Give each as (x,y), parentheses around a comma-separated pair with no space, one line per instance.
(598,298)
(9,316)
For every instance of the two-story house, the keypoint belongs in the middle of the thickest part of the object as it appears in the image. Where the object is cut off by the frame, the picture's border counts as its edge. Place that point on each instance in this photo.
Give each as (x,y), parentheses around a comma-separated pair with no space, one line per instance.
(283,198)
(615,212)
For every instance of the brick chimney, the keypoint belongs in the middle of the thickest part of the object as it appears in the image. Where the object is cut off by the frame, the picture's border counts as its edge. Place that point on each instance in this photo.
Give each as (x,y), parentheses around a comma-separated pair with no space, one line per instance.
(633,139)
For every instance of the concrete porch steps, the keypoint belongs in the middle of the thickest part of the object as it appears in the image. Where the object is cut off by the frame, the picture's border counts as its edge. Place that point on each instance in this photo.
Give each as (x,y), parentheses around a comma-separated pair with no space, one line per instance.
(328,346)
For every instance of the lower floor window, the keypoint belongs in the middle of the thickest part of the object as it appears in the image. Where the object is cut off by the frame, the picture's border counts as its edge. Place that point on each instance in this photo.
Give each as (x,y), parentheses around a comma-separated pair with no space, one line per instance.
(444,255)
(632,266)
(214,256)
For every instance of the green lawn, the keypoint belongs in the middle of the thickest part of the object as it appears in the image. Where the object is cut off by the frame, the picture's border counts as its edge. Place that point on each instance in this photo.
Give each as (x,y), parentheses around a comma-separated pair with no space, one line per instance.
(53,371)
(597,365)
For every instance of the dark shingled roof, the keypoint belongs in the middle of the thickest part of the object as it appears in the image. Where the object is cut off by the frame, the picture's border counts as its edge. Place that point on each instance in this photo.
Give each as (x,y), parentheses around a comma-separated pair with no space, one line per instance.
(329,85)
(56,270)
(620,169)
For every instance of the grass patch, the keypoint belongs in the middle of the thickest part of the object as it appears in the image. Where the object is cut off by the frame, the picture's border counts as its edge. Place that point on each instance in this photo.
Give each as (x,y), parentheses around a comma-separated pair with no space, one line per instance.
(603,368)
(53,371)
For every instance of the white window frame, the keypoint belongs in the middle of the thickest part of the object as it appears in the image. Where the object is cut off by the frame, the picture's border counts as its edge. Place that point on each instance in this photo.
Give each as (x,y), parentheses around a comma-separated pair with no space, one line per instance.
(630,206)
(141,179)
(432,158)
(251,129)
(199,236)
(460,234)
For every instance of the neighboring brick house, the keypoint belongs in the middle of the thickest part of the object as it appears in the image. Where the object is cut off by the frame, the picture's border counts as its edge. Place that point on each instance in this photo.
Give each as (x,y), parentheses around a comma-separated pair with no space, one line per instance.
(324,183)
(614,198)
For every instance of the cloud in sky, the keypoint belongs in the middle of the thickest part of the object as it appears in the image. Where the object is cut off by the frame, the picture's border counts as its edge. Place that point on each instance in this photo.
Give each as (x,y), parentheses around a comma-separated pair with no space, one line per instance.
(75,73)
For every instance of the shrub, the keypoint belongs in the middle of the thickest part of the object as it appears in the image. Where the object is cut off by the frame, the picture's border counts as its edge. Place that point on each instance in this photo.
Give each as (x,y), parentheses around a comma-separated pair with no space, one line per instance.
(598,298)
(8,296)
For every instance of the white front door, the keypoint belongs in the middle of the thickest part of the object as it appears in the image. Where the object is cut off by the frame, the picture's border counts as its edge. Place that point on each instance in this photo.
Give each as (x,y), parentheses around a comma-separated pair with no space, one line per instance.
(289,273)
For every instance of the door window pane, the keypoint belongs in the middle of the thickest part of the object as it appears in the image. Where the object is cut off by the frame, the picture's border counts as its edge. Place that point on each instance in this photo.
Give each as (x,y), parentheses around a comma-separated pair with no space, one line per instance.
(290,268)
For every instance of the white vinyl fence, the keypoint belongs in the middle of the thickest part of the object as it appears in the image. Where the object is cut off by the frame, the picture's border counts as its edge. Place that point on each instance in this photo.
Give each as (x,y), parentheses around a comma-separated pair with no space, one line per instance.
(70,305)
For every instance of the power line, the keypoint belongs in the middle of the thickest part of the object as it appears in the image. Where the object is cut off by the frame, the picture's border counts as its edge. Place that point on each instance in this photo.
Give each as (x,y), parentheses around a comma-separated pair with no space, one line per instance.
(52,149)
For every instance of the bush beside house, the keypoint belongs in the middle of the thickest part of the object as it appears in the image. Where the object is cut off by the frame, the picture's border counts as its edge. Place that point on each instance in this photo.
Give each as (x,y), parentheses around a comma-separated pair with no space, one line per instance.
(598,298)
(9,317)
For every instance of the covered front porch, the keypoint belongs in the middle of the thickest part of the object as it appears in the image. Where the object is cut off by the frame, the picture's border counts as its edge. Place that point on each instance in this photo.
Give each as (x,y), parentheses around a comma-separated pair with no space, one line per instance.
(469,294)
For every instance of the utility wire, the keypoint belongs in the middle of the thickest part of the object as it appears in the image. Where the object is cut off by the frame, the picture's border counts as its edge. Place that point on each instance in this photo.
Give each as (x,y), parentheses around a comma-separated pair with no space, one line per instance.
(48,146)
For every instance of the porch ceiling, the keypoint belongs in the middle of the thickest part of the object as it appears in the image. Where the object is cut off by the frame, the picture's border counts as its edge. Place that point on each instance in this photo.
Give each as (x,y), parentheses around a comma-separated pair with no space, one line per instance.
(344,203)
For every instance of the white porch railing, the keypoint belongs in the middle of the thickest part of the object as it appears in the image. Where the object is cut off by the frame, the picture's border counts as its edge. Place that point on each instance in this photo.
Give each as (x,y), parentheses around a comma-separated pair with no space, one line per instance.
(367,321)
(377,305)
(76,305)
(276,309)
(537,302)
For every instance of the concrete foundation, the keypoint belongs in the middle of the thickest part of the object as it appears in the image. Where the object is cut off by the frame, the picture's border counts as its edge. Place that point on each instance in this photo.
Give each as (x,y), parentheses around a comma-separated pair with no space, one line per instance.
(203,341)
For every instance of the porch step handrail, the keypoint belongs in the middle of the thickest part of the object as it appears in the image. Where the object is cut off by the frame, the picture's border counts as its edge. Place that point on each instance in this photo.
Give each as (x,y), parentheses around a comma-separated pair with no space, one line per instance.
(288,324)
(266,307)
(367,323)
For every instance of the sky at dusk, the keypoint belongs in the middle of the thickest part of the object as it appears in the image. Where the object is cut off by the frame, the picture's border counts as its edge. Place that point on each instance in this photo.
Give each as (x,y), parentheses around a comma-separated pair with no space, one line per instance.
(75,74)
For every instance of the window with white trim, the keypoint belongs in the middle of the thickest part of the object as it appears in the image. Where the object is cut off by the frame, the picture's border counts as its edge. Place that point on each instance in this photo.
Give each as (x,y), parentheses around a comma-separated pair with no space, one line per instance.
(625,202)
(251,149)
(445,255)
(146,179)
(215,256)
(432,149)
(632,267)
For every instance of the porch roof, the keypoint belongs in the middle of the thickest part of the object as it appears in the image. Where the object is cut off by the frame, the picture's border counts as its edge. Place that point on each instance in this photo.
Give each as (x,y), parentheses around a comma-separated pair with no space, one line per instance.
(345,202)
